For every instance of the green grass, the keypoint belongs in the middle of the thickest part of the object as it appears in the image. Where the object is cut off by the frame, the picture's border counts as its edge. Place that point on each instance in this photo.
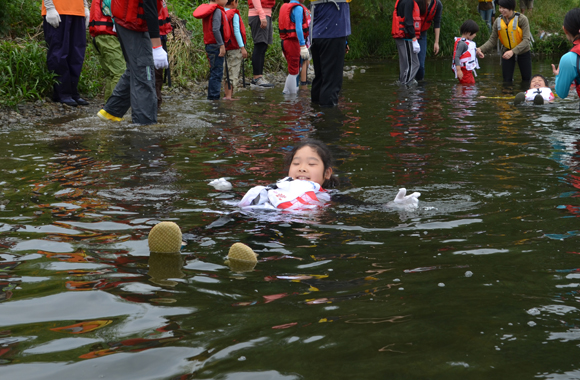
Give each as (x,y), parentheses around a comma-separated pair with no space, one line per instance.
(23,72)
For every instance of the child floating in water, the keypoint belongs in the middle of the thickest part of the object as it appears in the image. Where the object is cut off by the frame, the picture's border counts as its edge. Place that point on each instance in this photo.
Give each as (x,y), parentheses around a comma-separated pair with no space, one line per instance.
(539,92)
(309,172)
(464,53)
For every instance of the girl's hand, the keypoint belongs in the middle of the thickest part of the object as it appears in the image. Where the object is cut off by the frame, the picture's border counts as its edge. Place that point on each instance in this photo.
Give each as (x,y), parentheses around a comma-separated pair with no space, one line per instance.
(222,51)
(555,70)
(480,54)
(459,74)
(436,48)
(508,54)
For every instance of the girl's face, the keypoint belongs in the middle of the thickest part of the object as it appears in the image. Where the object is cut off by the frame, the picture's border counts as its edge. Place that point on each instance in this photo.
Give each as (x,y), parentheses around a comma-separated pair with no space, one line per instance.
(537,82)
(307,165)
(506,13)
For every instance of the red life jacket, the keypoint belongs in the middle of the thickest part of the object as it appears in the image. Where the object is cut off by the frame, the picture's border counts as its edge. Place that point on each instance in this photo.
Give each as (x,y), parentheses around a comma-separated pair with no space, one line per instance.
(233,42)
(265,3)
(130,14)
(99,23)
(205,12)
(398,28)
(429,15)
(164,20)
(576,49)
(286,26)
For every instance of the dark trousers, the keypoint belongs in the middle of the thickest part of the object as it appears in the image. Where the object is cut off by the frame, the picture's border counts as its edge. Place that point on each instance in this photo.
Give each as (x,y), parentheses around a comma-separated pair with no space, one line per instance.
(136,88)
(216,71)
(65,56)
(524,61)
(422,55)
(328,61)
(259,57)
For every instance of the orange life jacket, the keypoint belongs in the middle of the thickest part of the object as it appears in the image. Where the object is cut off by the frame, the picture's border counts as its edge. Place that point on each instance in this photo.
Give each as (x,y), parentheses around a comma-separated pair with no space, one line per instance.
(286,26)
(164,20)
(398,28)
(99,23)
(130,14)
(429,15)
(233,42)
(265,3)
(205,12)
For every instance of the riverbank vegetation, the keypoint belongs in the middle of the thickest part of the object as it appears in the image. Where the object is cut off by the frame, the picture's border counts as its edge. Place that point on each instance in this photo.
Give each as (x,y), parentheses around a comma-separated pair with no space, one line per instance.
(23,73)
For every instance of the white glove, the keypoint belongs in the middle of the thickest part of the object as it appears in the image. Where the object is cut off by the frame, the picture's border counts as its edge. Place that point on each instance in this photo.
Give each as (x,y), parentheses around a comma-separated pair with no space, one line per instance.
(52,17)
(304,52)
(87,17)
(160,58)
(416,47)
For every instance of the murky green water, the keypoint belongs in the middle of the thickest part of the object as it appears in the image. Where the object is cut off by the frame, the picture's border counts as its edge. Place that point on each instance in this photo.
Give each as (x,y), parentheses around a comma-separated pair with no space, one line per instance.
(481,282)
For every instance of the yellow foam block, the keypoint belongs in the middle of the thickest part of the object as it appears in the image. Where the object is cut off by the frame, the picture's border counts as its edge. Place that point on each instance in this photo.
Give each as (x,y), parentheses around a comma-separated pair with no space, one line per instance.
(240,251)
(165,237)
(241,258)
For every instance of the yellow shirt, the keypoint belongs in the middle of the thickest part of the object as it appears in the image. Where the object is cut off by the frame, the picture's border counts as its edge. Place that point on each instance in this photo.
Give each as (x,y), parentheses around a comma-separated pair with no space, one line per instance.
(67,7)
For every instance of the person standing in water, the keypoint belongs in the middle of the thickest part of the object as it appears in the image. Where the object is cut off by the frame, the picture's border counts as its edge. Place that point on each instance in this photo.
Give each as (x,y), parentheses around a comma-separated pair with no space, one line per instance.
(143,52)
(406,30)
(330,28)
(568,71)
(293,24)
(513,31)
(430,14)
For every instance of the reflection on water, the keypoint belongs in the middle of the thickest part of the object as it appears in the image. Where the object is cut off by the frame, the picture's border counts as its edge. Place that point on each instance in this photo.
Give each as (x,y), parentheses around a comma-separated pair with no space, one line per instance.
(480,282)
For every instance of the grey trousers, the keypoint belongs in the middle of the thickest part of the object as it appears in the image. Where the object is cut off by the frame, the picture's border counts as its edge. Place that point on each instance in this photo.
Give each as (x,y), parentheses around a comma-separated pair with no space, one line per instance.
(136,88)
(408,61)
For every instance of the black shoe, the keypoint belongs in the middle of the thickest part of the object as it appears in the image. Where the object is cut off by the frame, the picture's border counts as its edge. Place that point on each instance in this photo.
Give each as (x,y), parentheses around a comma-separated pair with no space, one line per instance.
(520,98)
(69,102)
(81,102)
(538,100)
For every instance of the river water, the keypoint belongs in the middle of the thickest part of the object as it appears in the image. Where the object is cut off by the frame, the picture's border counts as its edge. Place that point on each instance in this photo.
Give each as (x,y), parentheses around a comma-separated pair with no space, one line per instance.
(482,281)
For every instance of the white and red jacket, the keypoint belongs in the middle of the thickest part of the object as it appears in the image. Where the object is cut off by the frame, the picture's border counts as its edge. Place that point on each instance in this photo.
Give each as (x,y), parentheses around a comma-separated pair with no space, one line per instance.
(546,93)
(286,194)
(467,59)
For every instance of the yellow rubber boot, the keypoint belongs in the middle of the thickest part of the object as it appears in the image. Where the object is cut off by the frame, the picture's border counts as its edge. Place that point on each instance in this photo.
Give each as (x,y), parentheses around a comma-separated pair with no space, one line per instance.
(107,116)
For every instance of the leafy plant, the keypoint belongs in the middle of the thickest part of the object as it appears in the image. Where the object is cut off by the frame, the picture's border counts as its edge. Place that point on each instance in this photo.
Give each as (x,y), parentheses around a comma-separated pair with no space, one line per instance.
(23,72)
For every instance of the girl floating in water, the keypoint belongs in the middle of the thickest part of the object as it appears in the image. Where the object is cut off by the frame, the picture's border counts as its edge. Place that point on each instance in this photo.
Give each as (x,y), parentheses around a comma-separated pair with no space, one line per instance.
(539,92)
(309,167)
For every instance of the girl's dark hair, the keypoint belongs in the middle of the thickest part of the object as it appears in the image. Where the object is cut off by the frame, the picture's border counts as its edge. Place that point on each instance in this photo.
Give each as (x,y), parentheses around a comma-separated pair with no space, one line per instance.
(543,78)
(230,2)
(325,155)
(508,4)
(572,22)
(469,27)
